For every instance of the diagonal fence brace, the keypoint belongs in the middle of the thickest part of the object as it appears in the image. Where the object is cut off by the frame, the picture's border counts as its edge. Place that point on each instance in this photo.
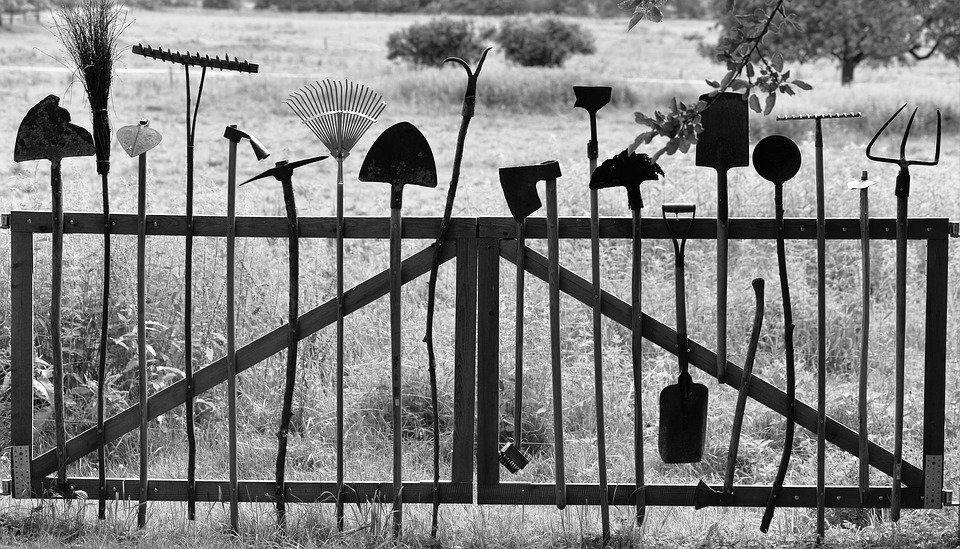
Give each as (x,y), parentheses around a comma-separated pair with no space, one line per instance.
(704,359)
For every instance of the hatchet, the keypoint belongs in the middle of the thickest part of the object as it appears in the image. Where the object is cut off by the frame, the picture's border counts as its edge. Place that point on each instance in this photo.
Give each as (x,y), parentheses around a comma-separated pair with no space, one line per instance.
(520,189)
(283,172)
(46,134)
(136,141)
(628,170)
(400,156)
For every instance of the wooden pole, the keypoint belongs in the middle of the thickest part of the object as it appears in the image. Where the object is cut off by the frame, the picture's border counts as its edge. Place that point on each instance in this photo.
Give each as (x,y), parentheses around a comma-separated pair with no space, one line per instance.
(232,335)
(553,274)
(636,343)
(56,291)
(395,352)
(142,336)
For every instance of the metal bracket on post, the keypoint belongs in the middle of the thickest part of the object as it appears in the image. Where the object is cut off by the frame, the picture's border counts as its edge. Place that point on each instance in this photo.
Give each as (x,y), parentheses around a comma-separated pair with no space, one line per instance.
(20,466)
(933,482)
(4,221)
(955,230)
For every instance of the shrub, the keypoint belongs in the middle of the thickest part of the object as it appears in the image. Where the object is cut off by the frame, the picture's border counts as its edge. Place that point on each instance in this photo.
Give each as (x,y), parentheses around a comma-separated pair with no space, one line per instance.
(428,44)
(544,43)
(221,4)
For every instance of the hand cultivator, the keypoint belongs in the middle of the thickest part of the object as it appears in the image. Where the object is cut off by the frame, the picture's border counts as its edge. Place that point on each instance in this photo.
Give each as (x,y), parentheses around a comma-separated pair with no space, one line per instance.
(204,62)
(903,194)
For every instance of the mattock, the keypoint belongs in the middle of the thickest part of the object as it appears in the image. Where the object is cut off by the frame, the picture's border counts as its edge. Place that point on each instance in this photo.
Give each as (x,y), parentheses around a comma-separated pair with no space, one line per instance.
(903,194)
(821,310)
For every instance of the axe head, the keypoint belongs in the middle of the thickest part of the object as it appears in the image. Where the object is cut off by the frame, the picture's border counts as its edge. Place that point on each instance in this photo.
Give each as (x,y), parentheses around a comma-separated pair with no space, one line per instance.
(46,134)
(591,98)
(400,156)
(138,139)
(628,170)
(520,186)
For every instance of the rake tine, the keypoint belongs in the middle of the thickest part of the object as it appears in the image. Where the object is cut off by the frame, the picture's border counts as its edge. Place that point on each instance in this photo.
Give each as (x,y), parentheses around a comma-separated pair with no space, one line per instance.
(936,157)
(877,135)
(906,135)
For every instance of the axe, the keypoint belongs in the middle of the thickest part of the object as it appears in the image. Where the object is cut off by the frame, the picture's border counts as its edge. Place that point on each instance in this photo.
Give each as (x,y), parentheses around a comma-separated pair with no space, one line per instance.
(283,172)
(234,136)
(629,170)
(592,99)
(520,189)
(136,141)
(400,156)
(46,134)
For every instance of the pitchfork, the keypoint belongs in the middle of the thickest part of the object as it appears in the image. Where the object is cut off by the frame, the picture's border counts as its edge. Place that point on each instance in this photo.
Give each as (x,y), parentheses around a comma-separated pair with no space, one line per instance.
(903,193)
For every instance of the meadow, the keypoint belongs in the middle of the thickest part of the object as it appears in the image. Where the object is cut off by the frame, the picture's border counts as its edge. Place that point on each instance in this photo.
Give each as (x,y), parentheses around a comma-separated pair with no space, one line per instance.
(523,116)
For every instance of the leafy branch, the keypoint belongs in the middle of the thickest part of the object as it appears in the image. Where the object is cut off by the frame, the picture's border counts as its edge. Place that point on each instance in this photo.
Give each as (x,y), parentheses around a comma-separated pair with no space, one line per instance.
(751,71)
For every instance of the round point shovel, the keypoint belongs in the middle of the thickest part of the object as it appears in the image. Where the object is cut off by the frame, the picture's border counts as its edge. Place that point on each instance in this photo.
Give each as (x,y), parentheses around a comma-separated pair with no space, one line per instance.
(400,156)
(137,141)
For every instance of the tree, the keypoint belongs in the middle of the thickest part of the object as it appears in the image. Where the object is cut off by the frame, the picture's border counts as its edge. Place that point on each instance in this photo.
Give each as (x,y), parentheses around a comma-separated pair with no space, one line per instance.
(850,31)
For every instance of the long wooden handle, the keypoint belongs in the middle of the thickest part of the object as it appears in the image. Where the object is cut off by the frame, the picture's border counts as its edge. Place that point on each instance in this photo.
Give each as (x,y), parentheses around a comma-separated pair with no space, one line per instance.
(598,359)
(864,452)
(900,333)
(636,343)
(142,336)
(102,351)
(338,512)
(290,377)
(553,279)
(747,375)
(188,342)
(821,337)
(790,366)
(723,225)
(232,336)
(56,292)
(395,367)
(518,345)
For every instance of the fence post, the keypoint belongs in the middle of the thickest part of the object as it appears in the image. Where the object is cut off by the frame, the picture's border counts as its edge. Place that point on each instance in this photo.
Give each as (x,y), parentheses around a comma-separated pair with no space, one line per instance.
(21,362)
(465,361)
(488,360)
(934,375)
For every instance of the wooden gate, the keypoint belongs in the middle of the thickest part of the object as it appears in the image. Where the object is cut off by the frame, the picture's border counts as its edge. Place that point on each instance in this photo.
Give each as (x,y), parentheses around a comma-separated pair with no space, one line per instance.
(477,245)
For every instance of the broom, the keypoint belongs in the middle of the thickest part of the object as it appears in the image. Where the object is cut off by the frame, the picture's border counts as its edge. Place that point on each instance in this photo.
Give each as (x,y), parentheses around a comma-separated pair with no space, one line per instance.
(338,113)
(89,30)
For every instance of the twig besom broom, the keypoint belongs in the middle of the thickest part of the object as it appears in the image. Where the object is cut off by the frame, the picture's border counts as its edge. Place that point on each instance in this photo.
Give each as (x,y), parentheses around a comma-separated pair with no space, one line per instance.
(338,113)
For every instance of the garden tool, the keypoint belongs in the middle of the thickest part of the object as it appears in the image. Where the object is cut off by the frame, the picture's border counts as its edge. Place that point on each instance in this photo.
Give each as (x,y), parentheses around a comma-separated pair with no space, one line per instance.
(338,113)
(46,133)
(704,495)
(683,407)
(400,156)
(283,172)
(777,159)
(511,454)
(903,194)
(629,170)
(520,189)
(204,62)
(234,136)
(469,103)
(137,141)
(821,313)
(90,31)
(723,144)
(592,99)
(863,185)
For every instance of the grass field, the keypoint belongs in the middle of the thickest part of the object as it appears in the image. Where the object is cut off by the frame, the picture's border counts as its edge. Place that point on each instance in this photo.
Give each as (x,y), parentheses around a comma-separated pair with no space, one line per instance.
(524,115)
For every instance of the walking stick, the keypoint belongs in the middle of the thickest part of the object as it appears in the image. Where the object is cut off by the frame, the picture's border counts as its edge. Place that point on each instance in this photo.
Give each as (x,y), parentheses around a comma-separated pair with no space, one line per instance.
(592,99)
(338,113)
(469,104)
(234,135)
(283,172)
(137,141)
(821,313)
(629,170)
(863,185)
(204,62)
(903,195)
(47,134)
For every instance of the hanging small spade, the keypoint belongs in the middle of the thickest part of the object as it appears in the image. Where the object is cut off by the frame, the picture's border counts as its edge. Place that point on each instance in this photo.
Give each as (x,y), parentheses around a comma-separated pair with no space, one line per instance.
(283,172)
(400,156)
(903,194)
(520,190)
(46,133)
(704,495)
(628,170)
(136,141)
(234,135)
(683,406)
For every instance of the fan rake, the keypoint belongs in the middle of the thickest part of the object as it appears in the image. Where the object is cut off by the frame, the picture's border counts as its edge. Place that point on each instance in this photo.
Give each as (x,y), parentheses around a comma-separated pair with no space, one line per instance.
(338,113)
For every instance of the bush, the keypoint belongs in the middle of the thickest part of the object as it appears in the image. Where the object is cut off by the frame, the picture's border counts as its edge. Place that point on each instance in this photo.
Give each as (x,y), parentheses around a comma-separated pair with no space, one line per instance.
(544,43)
(221,4)
(428,44)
